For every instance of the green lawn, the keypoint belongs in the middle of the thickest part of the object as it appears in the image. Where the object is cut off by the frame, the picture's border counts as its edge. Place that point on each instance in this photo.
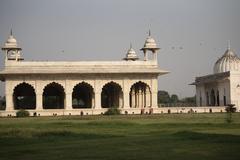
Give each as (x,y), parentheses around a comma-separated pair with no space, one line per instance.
(160,137)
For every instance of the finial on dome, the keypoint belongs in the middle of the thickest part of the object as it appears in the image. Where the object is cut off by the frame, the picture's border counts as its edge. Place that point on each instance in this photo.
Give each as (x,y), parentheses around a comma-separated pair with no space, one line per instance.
(229,45)
(130,45)
(11,33)
(149,32)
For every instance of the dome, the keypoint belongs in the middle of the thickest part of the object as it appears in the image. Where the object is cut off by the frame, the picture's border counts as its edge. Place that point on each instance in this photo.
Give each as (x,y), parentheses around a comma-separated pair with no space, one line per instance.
(150,43)
(11,42)
(131,54)
(11,39)
(228,62)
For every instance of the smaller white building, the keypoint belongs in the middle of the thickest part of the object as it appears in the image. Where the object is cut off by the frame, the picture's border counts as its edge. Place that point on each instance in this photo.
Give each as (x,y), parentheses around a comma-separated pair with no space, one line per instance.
(223,86)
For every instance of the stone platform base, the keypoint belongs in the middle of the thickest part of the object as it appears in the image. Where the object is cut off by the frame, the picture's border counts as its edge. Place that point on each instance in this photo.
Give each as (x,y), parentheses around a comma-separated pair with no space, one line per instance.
(161,110)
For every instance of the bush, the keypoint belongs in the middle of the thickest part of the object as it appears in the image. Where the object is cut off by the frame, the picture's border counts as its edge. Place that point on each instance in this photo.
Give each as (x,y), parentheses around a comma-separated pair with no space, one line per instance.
(22,113)
(230,109)
(112,111)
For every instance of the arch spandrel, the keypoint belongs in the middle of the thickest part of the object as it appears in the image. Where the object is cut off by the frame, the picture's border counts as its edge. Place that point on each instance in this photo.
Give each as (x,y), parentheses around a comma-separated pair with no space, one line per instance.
(16,83)
(46,83)
(112,81)
(141,81)
(75,83)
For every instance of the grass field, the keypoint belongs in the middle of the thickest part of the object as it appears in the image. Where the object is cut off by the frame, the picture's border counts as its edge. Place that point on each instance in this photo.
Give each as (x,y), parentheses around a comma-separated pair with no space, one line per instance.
(160,137)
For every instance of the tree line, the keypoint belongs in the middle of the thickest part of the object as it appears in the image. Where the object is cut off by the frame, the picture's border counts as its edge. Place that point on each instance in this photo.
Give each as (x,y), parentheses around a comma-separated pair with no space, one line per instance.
(165,99)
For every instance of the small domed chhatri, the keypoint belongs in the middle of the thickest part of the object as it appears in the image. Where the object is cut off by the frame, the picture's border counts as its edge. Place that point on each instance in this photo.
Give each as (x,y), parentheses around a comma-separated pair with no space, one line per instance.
(150,42)
(131,54)
(13,52)
(228,62)
(150,45)
(11,42)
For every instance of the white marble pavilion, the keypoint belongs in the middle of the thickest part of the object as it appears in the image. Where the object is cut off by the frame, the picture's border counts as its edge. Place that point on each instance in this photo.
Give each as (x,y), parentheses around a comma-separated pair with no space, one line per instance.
(80,87)
(223,86)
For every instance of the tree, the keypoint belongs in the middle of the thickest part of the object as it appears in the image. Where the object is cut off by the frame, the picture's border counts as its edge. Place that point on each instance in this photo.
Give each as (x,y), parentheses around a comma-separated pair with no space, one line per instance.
(163,97)
(189,100)
(174,99)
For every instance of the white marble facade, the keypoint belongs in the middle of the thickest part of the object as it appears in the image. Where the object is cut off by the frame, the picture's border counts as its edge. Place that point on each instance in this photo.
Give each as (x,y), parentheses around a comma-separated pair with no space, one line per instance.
(223,86)
(80,87)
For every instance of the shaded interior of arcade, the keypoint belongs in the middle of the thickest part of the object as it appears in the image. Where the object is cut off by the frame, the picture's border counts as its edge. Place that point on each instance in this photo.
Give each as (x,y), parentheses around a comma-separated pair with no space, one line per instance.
(83,96)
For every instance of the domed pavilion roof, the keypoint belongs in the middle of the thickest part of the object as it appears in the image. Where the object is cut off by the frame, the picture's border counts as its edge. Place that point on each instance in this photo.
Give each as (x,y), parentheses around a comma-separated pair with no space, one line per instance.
(150,43)
(228,62)
(131,54)
(11,42)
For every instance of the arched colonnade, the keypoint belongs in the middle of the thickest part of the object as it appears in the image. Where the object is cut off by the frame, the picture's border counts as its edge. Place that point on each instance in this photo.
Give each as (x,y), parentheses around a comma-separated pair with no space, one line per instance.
(82,96)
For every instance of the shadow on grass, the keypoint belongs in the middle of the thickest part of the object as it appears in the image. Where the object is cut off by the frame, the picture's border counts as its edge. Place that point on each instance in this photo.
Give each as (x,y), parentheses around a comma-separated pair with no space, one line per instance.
(18,133)
(111,124)
(216,138)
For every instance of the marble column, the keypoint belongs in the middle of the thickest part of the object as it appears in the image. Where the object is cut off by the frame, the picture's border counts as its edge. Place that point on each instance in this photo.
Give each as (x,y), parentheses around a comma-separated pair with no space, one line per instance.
(155,55)
(137,98)
(133,99)
(126,100)
(120,100)
(154,100)
(9,96)
(39,101)
(98,100)
(148,98)
(140,97)
(144,98)
(68,104)
(145,55)
(93,100)
(9,102)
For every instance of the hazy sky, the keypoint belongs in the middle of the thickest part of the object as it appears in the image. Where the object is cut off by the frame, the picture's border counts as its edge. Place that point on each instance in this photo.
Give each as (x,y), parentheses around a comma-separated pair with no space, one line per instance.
(103,30)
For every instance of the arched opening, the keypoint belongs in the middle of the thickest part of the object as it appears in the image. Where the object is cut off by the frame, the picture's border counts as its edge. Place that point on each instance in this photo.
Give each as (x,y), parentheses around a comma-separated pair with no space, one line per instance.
(140,95)
(224,98)
(218,101)
(53,96)
(224,101)
(207,98)
(200,100)
(112,95)
(82,96)
(212,98)
(24,97)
